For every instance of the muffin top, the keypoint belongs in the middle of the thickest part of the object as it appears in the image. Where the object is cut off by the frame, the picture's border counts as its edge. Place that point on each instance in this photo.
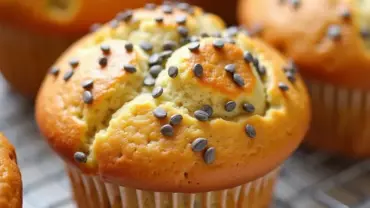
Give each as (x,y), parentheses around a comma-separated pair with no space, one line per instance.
(328,39)
(10,177)
(146,105)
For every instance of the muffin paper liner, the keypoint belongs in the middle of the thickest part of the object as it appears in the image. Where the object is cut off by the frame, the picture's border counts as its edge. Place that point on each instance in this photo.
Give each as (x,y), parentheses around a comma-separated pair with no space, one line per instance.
(341,120)
(92,192)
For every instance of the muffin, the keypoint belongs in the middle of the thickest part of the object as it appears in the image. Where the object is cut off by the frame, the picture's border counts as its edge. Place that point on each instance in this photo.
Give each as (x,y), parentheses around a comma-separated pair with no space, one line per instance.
(330,43)
(33,35)
(147,114)
(10,177)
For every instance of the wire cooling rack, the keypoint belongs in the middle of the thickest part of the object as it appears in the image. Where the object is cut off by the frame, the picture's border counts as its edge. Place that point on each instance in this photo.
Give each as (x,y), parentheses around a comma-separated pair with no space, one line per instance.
(308,180)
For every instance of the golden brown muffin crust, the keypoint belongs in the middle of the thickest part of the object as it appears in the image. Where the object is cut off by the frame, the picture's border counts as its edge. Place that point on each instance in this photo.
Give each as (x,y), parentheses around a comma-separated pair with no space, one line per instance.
(328,39)
(122,138)
(11,182)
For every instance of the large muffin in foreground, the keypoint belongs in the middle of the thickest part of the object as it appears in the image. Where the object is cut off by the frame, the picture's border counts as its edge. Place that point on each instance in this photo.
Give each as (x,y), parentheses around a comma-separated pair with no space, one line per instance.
(34,33)
(330,43)
(10,177)
(147,114)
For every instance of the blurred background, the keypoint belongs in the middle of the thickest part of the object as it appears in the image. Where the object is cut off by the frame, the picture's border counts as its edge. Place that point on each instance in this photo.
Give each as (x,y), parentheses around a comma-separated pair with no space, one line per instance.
(33,33)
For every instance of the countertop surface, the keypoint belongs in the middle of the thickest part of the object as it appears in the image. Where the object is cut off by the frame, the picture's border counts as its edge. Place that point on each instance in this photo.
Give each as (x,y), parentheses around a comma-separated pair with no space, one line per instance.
(308,180)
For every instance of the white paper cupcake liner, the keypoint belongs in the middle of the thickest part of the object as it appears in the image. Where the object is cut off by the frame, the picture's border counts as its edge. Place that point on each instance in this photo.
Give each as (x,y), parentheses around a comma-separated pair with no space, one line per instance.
(91,192)
(341,119)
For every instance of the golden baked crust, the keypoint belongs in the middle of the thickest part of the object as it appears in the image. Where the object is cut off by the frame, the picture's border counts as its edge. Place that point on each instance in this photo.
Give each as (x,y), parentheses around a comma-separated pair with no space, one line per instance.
(328,39)
(11,182)
(128,142)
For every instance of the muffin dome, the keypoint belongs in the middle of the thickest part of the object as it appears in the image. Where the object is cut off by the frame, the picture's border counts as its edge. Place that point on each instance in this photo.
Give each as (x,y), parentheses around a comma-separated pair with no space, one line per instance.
(11,182)
(214,113)
(329,40)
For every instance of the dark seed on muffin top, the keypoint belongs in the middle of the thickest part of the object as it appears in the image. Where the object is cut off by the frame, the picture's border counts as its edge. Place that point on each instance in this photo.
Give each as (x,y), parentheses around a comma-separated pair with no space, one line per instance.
(210,155)
(80,157)
(74,62)
(261,70)
(87,97)
(169,45)
(345,13)
(198,70)
(238,80)
(194,46)
(129,47)
(183,31)
(248,57)
(230,106)
(175,119)
(160,113)
(218,43)
(249,108)
(87,84)
(54,71)
(149,81)
(159,19)
(334,32)
(105,49)
(173,71)
(167,9)
(146,46)
(155,59)
(283,86)
(125,16)
(68,75)
(103,61)
(230,68)
(157,92)
(201,115)
(181,19)
(129,68)
(250,131)
(291,76)
(208,109)
(167,130)
(199,144)
(155,70)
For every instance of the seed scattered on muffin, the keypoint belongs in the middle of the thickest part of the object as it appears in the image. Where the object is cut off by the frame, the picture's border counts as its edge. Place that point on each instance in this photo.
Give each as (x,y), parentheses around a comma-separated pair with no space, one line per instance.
(181,19)
(173,71)
(54,71)
(125,16)
(334,32)
(208,109)
(201,115)
(87,97)
(114,23)
(68,75)
(248,57)
(230,68)
(249,108)
(87,84)
(160,113)
(169,45)
(129,47)
(204,35)
(232,31)
(146,46)
(345,13)
(74,62)
(167,9)
(80,157)
(155,70)
(198,70)
(219,43)
(250,131)
(158,19)
(261,70)
(283,86)
(183,31)
(166,54)
(210,155)
(157,92)
(194,46)
(291,76)
(155,59)
(238,80)
(103,61)
(199,144)
(230,106)
(167,130)
(129,68)
(105,49)
(149,81)
(175,119)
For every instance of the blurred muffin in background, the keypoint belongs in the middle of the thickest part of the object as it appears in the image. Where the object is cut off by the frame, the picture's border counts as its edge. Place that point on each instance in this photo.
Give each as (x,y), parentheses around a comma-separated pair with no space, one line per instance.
(34,33)
(329,40)
(10,176)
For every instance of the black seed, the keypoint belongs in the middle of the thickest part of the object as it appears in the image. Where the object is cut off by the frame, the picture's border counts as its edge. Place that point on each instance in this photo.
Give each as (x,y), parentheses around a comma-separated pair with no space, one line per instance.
(160,113)
(249,108)
(183,6)
(204,35)
(194,39)
(146,46)
(216,35)
(129,47)
(198,70)
(290,76)
(68,75)
(129,68)
(167,9)
(181,19)
(166,54)
(208,109)
(173,71)
(74,62)
(295,3)
(238,80)
(261,70)
(365,33)
(94,27)
(218,43)
(334,32)
(167,130)
(232,31)
(250,131)
(248,57)
(87,84)
(149,81)
(230,106)
(103,61)
(155,70)
(125,16)
(114,23)
(157,92)
(201,115)
(230,68)
(210,155)
(194,46)
(159,19)
(105,48)
(290,67)
(256,63)
(87,97)
(183,31)
(283,86)
(199,144)
(150,6)
(54,71)
(155,59)
(169,45)
(229,40)
(175,119)
(80,157)
(345,13)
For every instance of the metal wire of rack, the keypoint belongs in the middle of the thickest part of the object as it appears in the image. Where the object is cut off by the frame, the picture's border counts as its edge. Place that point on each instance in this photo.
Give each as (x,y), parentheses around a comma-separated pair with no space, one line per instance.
(308,179)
